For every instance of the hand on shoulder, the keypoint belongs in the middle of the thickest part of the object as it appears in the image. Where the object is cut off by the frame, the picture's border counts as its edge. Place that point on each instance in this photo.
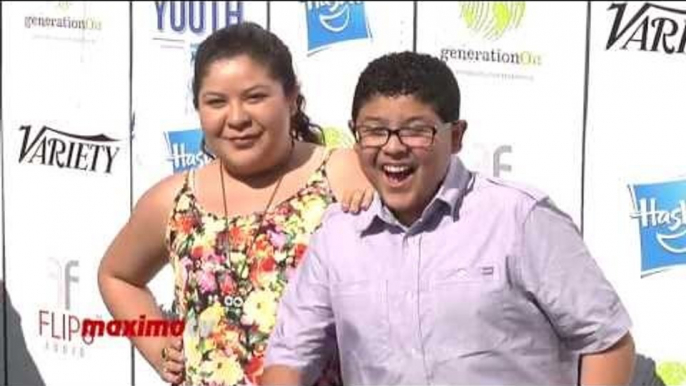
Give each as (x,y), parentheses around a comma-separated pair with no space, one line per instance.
(348,182)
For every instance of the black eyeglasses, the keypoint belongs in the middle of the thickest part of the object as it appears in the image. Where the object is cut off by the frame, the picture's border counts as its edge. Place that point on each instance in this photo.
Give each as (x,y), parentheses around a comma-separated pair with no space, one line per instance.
(414,136)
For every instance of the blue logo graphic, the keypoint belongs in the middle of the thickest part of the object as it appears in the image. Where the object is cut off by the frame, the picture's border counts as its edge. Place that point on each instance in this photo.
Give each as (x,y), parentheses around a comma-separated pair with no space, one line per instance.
(194,51)
(331,22)
(198,17)
(660,209)
(189,107)
(185,152)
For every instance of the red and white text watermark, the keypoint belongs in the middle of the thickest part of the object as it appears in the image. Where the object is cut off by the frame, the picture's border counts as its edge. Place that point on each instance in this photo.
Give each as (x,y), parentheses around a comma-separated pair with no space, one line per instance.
(132,327)
(64,327)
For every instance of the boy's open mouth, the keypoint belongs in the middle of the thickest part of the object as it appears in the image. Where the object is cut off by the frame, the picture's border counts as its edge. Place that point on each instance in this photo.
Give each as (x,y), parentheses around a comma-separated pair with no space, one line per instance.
(397,174)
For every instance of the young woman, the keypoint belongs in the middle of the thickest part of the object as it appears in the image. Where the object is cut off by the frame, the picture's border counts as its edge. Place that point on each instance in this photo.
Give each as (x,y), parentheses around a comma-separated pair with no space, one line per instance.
(236,229)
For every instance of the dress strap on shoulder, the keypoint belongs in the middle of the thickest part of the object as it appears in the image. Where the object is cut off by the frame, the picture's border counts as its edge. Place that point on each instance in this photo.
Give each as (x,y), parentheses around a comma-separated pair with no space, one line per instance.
(327,154)
(189,181)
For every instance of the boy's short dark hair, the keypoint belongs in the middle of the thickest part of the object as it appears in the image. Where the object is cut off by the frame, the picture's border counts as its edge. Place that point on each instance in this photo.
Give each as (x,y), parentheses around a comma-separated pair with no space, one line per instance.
(409,73)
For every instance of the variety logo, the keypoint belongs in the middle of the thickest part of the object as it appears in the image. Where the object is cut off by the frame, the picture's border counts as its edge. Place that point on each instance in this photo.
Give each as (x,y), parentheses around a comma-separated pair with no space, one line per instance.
(51,147)
(660,210)
(185,149)
(332,22)
(653,28)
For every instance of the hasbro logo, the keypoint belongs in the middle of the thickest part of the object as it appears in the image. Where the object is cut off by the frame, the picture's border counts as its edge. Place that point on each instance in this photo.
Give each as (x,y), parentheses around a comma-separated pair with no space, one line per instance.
(331,22)
(660,209)
(184,149)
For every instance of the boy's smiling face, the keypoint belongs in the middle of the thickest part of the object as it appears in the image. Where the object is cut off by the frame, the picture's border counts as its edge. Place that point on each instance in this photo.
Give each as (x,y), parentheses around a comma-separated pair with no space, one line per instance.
(406,177)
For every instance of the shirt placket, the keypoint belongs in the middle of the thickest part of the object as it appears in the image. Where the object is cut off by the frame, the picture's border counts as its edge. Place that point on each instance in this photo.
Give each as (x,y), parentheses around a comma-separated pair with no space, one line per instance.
(417,298)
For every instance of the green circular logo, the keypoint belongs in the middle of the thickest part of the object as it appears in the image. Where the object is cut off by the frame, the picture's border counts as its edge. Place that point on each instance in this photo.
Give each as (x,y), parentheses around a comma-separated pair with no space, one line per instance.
(672,373)
(335,137)
(491,19)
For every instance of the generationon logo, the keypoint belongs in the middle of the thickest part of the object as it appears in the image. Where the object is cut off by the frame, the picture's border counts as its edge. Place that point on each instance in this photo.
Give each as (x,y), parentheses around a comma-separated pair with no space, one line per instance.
(132,328)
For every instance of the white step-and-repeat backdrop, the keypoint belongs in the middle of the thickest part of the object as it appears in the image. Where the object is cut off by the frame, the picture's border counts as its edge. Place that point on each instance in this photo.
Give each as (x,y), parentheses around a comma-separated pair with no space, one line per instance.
(635,183)
(66,164)
(580,100)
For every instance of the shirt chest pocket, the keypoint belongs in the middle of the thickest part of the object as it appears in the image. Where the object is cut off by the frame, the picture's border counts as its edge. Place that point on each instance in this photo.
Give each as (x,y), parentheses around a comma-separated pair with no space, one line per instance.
(467,310)
(361,315)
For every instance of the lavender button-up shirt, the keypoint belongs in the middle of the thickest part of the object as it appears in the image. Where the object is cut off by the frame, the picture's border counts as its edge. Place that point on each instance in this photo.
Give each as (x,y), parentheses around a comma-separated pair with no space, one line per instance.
(492,285)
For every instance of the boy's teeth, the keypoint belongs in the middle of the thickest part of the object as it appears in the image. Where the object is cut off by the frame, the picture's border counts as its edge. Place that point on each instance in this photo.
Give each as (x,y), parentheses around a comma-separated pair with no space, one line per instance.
(396,169)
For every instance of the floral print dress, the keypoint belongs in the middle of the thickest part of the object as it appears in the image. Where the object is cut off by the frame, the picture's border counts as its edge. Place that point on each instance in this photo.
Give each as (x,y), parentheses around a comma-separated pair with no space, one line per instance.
(228,298)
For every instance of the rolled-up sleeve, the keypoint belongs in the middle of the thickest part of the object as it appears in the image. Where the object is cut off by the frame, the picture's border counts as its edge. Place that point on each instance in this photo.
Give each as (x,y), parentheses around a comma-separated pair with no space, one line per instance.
(304,336)
(557,269)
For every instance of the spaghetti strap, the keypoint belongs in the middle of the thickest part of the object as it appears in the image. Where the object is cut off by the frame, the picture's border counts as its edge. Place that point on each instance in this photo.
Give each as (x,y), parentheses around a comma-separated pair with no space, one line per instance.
(189,181)
(187,187)
(327,154)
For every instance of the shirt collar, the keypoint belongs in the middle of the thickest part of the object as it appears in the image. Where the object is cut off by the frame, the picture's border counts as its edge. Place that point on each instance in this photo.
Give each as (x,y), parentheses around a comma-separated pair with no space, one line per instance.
(450,193)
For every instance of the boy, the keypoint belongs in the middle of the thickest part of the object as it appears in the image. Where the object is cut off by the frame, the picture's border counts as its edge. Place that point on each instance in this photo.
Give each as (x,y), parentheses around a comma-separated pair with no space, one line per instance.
(449,277)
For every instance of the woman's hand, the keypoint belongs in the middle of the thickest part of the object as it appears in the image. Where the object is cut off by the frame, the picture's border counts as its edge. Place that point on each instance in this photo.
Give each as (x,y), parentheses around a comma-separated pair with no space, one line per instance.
(172,365)
(357,198)
(348,182)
